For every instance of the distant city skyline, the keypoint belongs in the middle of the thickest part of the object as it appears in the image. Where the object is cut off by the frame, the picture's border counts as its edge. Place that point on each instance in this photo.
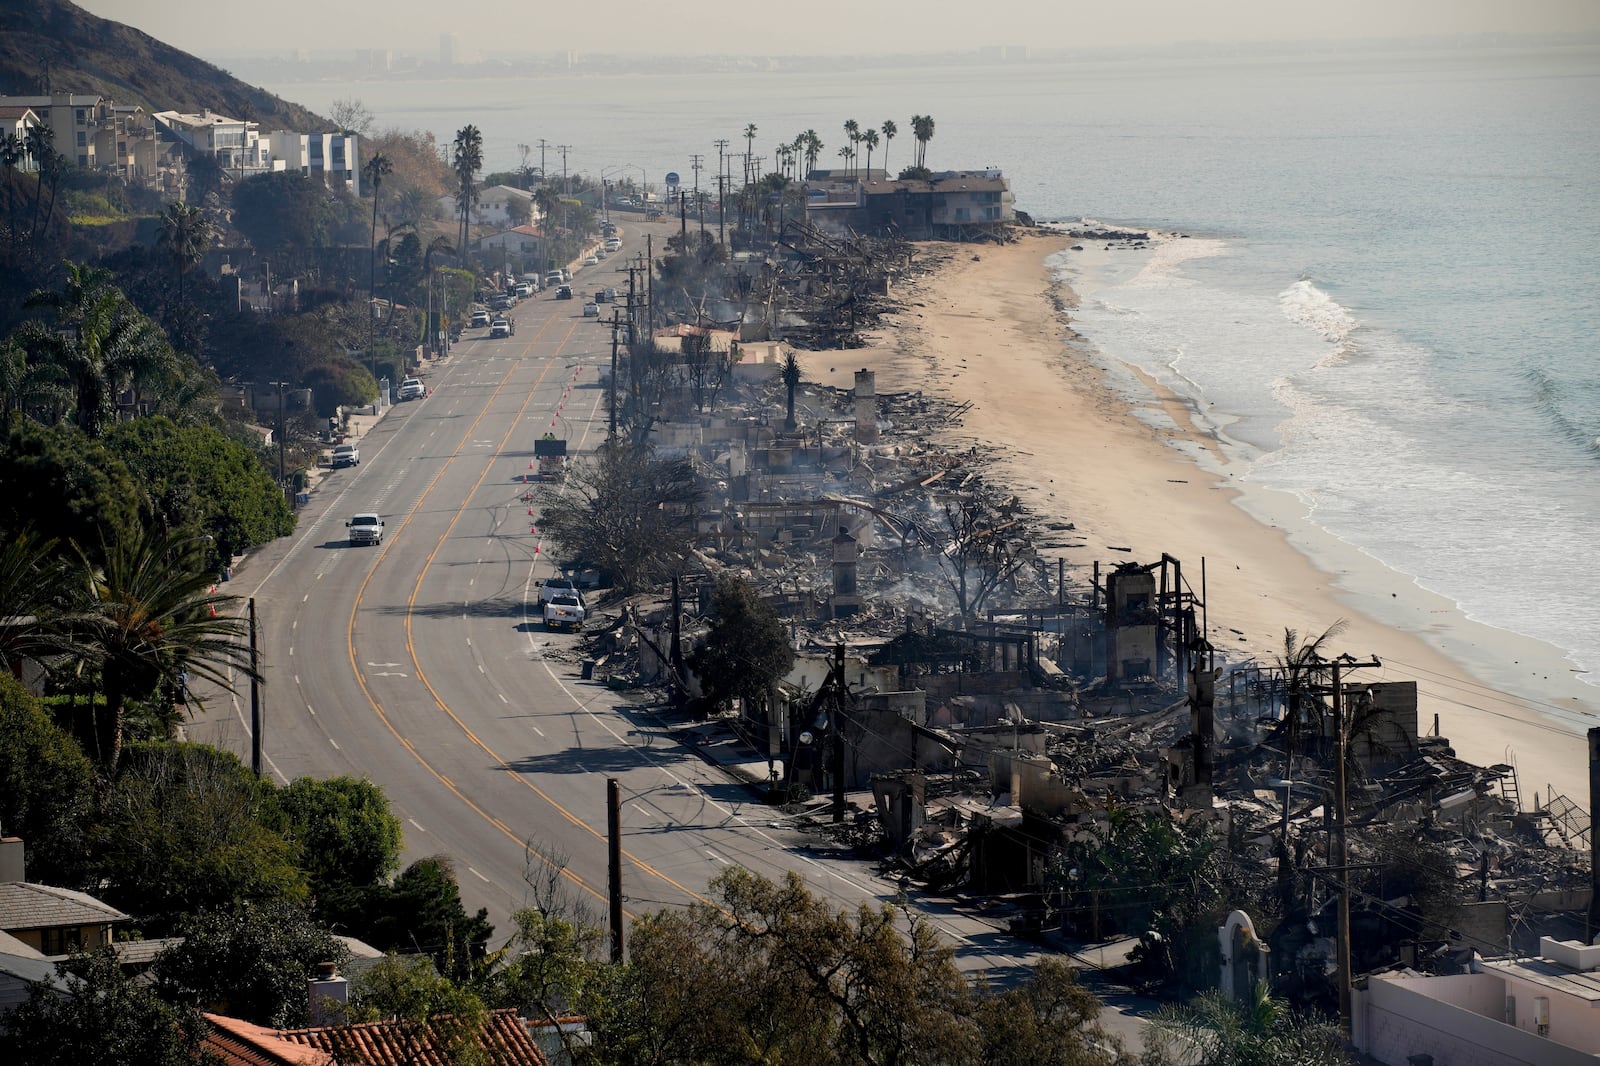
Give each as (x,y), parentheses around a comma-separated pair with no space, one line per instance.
(827,27)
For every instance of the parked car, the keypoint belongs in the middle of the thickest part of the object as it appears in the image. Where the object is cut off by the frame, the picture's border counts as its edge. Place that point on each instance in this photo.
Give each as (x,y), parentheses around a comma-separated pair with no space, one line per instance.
(524,290)
(480,317)
(591,310)
(412,389)
(592,261)
(346,455)
(600,296)
(564,292)
(499,302)
(613,244)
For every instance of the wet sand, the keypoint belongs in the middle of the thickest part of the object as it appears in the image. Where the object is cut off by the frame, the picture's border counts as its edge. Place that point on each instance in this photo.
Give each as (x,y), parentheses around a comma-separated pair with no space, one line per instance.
(991,327)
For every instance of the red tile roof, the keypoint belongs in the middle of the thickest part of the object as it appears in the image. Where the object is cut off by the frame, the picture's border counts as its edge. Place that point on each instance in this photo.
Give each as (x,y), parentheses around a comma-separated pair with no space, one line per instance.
(503,1035)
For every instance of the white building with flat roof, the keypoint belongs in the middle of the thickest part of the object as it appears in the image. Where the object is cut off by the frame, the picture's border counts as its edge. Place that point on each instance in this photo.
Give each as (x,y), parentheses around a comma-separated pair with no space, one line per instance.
(1511,1012)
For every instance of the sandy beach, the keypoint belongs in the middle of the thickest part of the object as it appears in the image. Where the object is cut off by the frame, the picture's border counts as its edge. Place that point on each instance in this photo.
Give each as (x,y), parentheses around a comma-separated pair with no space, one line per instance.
(992,327)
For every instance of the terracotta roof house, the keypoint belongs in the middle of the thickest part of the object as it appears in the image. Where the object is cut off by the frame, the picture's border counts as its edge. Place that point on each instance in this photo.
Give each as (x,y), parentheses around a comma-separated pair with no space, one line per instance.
(52,921)
(504,1038)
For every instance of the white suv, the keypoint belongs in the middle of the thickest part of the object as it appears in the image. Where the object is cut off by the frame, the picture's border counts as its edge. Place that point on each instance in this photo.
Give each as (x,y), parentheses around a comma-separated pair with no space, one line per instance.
(412,389)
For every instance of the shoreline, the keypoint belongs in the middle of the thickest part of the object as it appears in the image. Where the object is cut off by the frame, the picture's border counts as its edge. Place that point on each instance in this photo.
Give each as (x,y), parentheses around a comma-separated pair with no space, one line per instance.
(990,325)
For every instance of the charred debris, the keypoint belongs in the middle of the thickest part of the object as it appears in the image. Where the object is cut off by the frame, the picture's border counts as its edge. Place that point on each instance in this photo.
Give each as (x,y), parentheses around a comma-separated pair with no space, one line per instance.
(976,715)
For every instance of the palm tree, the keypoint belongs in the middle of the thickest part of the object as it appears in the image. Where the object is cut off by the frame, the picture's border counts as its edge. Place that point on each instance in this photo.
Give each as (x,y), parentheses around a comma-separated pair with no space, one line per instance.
(797,149)
(12,153)
(31,608)
(25,381)
(852,130)
(186,235)
(100,342)
(869,138)
(377,168)
(791,381)
(889,130)
(813,149)
(149,617)
(922,129)
(468,161)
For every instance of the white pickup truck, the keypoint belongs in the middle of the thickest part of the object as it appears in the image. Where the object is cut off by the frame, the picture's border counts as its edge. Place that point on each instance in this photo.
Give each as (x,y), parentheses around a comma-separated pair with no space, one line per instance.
(365,528)
(565,610)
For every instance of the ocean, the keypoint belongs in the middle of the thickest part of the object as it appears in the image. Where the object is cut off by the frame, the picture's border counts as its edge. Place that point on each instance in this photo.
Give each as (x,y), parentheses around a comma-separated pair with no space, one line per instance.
(1380,285)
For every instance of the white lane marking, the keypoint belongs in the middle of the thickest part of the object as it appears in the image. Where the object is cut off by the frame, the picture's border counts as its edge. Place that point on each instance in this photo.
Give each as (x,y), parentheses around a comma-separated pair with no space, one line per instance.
(643,813)
(717,858)
(418,824)
(536,729)
(382,664)
(312,709)
(481,670)
(480,876)
(306,597)
(503,698)
(291,649)
(335,743)
(469,642)
(296,623)
(297,679)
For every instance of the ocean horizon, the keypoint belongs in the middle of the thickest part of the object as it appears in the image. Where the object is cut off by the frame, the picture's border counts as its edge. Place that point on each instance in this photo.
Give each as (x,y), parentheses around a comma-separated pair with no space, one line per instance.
(1377,287)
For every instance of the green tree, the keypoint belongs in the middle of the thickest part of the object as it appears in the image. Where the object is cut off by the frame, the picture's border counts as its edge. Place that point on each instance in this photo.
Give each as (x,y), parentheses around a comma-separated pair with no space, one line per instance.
(185,828)
(249,961)
(467,160)
(922,130)
(747,649)
(149,616)
(769,972)
(813,149)
(66,487)
(104,1018)
(186,236)
(1218,1031)
(201,483)
(548,967)
(46,787)
(422,911)
(283,213)
(100,342)
(889,131)
(346,835)
(623,511)
(377,168)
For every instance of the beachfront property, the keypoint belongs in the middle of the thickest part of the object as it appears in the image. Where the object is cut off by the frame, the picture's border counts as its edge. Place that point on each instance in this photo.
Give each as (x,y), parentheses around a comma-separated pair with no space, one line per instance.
(949,205)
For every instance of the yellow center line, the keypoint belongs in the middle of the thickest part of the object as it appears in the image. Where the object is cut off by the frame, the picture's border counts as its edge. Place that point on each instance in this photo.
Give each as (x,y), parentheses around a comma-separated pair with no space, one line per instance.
(377,708)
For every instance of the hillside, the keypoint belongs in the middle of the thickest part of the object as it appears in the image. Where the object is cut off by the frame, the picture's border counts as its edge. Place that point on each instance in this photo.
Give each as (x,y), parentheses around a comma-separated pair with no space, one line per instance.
(60,43)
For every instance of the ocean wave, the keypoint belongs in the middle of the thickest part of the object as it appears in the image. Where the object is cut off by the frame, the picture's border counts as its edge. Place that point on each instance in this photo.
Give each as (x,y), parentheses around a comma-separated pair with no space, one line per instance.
(1552,399)
(1309,306)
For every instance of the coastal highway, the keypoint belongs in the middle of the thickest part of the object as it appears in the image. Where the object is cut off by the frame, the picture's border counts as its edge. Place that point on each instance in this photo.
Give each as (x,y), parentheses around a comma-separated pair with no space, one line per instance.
(421,663)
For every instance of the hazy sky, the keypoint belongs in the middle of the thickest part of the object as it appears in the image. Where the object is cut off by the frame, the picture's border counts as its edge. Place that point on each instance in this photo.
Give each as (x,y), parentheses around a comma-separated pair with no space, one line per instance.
(207,27)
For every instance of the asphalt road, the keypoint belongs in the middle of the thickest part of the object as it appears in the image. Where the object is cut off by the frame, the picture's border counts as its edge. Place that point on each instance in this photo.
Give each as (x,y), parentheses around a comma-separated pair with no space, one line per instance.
(423,665)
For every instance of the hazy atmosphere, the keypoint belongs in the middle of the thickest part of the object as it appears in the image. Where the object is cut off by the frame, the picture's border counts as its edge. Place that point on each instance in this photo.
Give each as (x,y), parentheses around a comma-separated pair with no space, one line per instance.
(822,27)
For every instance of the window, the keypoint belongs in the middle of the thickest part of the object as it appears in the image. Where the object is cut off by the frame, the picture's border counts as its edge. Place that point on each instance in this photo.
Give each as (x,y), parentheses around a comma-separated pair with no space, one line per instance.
(83,138)
(60,941)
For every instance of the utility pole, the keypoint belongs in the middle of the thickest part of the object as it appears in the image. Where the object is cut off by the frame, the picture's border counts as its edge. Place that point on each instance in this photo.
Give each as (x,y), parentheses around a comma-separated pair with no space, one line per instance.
(614,855)
(722,212)
(563,149)
(616,325)
(255,695)
(649,287)
(1341,858)
(544,175)
(838,696)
